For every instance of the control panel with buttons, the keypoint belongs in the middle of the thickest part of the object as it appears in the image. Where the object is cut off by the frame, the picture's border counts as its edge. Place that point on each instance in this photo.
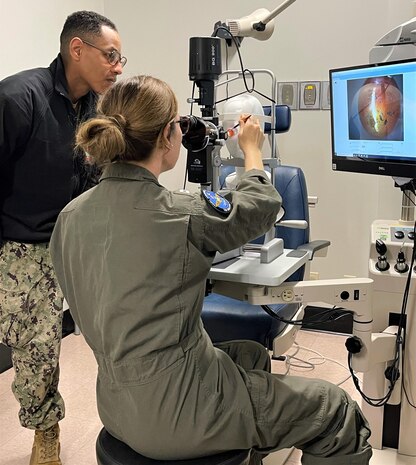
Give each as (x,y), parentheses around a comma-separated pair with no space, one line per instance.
(391,250)
(395,232)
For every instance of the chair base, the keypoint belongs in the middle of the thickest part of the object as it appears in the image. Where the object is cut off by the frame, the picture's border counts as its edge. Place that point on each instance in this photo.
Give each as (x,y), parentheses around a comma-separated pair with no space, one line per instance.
(111,451)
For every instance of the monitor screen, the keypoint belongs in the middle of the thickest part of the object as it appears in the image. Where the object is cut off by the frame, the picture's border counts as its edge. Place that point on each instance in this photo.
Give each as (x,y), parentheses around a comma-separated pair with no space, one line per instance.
(373,118)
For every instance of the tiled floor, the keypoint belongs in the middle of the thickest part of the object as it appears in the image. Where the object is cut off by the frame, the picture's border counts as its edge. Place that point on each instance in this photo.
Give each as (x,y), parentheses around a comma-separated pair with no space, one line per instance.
(81,425)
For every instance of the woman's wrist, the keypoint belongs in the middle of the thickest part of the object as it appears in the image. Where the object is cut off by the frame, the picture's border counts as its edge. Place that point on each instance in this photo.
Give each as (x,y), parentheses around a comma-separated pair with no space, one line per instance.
(253,160)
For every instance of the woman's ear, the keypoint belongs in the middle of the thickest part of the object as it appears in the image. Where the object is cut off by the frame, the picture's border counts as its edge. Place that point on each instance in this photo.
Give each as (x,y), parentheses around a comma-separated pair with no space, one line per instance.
(169,129)
(165,136)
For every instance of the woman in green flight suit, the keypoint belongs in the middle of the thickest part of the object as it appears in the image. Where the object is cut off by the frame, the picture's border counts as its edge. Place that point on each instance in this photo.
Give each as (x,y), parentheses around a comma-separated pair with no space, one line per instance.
(132,259)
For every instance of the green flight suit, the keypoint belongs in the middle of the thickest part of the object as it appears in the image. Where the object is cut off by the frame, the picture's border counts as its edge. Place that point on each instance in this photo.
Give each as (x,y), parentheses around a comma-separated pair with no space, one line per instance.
(132,259)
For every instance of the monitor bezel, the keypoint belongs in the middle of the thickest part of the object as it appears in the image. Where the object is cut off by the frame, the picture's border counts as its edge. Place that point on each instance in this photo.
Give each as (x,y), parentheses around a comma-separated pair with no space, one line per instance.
(380,166)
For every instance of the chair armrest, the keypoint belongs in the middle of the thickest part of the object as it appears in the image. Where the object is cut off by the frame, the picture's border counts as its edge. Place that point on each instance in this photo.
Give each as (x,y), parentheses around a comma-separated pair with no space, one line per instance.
(313,247)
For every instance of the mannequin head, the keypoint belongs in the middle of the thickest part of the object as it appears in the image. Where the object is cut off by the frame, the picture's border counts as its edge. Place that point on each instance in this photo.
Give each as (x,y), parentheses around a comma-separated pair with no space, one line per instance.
(232,109)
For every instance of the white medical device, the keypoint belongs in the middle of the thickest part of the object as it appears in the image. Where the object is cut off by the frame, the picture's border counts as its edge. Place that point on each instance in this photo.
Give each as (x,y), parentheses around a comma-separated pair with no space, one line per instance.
(258,24)
(391,249)
(397,44)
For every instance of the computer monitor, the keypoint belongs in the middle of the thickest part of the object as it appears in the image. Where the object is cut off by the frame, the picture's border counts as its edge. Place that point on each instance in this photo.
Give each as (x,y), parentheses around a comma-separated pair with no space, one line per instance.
(373,118)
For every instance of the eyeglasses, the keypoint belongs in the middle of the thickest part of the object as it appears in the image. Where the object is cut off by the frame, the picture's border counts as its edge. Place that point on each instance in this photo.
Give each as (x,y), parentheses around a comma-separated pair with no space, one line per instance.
(184,124)
(114,57)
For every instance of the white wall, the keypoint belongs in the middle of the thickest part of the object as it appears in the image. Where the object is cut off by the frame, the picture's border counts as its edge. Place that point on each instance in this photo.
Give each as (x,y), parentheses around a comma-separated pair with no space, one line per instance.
(310,38)
(29,31)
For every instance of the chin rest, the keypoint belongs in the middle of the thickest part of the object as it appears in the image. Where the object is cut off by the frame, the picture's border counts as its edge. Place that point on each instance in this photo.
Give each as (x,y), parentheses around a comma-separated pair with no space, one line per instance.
(111,451)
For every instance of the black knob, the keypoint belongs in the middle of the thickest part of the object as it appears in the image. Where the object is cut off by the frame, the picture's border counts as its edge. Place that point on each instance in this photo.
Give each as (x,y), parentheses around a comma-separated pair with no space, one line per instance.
(381,247)
(382,263)
(353,345)
(392,373)
(345,295)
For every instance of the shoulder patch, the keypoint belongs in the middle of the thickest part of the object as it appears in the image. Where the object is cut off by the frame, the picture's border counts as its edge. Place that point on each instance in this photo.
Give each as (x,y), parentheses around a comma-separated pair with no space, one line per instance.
(217,202)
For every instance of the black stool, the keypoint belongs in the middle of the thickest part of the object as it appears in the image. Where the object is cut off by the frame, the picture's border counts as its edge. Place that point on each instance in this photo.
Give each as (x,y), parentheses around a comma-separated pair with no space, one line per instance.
(111,451)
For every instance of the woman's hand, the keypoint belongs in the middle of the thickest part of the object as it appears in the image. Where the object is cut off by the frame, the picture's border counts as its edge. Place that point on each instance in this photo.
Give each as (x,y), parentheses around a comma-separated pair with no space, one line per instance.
(250,140)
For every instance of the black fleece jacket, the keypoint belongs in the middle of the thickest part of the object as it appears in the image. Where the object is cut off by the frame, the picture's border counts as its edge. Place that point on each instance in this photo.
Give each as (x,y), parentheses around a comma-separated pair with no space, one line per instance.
(40,172)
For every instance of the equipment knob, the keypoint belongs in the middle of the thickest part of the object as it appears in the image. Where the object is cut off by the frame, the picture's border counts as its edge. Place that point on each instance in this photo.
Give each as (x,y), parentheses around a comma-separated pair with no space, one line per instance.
(399,234)
(353,345)
(382,263)
(345,295)
(401,266)
(381,247)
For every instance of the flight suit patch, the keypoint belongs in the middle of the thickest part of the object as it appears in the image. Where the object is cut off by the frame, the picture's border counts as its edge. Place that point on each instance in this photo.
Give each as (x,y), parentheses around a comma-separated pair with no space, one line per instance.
(217,202)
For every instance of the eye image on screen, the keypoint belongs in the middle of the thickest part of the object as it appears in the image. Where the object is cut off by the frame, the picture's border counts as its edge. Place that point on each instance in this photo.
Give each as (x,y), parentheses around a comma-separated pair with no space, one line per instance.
(375,108)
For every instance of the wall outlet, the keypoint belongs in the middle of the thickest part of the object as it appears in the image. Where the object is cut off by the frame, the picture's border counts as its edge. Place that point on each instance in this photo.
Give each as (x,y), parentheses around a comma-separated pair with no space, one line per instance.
(310,95)
(288,94)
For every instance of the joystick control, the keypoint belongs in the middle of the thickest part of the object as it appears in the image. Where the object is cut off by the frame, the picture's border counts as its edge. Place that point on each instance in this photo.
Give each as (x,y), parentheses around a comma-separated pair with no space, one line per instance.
(382,263)
(401,266)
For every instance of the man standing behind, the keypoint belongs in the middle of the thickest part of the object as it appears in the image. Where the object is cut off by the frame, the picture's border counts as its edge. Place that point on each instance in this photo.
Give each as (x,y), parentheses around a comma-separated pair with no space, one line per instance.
(39,174)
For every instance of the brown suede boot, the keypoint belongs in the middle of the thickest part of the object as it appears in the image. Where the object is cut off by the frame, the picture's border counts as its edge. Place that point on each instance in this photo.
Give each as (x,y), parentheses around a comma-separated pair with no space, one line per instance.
(46,447)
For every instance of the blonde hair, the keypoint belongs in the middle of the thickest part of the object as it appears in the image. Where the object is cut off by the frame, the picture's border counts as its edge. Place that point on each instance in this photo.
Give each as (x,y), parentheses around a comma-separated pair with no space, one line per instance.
(131,116)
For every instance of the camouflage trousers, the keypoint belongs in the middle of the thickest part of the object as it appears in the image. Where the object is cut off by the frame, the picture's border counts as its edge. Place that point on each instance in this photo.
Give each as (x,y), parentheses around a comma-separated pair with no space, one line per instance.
(31,325)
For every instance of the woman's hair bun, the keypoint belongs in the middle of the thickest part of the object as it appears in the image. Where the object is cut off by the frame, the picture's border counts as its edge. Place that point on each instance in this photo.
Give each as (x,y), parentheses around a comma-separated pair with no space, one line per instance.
(102,138)
(119,120)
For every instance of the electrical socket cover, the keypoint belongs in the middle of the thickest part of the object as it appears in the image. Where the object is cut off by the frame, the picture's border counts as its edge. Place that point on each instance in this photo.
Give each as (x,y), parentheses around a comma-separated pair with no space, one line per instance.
(325,96)
(310,95)
(288,94)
